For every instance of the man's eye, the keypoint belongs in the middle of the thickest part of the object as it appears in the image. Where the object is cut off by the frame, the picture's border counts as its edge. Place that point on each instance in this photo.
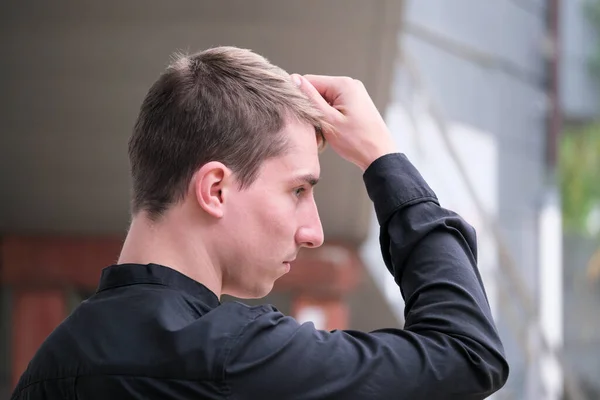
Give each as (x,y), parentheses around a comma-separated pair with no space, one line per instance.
(298,191)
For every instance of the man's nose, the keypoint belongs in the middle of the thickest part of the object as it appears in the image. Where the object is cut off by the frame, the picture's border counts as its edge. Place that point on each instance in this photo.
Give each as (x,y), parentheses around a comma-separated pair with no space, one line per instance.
(310,233)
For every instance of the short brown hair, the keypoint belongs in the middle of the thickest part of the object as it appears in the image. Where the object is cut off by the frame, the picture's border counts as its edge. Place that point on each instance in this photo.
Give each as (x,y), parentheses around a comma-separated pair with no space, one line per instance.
(223,104)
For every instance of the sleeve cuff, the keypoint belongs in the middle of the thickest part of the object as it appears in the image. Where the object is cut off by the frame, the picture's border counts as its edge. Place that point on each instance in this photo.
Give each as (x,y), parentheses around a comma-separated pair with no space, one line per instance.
(392,182)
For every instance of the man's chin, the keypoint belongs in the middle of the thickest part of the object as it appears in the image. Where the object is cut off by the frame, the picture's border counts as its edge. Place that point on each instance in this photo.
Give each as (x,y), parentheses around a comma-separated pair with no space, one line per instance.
(256,292)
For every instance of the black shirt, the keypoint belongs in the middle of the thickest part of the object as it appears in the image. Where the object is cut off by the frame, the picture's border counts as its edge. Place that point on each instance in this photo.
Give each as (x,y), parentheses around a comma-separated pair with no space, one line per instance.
(152,333)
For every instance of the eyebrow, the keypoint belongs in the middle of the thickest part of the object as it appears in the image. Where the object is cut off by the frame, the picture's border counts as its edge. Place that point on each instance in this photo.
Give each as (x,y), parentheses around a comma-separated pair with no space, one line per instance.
(308,178)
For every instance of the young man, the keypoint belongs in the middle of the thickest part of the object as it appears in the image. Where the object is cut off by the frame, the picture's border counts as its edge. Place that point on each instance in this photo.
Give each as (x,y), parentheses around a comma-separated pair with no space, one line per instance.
(224,157)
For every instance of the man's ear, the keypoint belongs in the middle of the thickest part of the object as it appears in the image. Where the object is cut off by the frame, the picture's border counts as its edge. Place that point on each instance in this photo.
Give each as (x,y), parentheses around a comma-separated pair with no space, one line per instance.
(211,184)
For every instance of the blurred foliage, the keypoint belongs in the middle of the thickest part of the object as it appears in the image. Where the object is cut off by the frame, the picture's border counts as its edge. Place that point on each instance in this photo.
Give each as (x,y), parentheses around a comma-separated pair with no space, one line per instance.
(580,175)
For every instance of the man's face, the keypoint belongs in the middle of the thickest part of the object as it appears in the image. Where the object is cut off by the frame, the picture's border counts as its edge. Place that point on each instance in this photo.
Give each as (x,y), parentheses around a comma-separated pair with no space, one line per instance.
(268,222)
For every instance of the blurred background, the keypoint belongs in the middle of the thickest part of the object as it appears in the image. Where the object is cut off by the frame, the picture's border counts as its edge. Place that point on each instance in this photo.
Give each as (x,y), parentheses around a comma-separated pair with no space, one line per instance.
(496,102)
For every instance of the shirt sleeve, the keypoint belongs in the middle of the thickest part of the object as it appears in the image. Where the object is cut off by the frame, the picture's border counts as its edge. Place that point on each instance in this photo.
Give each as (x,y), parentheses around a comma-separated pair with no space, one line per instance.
(449,347)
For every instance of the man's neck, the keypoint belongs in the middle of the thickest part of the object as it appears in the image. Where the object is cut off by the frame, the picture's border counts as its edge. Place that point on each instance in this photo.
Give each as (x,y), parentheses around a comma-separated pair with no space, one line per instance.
(167,243)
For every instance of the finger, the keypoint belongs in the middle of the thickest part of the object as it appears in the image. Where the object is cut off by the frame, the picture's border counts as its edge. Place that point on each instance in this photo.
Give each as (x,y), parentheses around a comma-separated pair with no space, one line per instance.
(330,87)
(314,96)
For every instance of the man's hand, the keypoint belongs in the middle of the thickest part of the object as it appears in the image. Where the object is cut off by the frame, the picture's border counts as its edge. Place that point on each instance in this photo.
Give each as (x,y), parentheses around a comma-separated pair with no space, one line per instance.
(358,132)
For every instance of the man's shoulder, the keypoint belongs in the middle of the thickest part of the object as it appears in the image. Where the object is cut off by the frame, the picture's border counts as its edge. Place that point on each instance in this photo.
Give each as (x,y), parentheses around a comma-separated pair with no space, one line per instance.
(237,313)
(261,327)
(243,325)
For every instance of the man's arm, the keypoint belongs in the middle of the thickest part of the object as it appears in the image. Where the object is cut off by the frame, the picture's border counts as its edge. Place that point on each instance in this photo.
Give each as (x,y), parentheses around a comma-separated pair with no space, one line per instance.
(449,348)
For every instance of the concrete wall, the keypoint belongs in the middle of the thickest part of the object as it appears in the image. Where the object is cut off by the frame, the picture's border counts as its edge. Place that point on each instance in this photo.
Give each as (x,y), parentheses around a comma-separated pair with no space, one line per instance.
(580,98)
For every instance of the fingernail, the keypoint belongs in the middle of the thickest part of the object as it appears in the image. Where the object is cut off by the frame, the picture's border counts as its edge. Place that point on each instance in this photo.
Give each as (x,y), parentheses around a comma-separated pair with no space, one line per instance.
(296,79)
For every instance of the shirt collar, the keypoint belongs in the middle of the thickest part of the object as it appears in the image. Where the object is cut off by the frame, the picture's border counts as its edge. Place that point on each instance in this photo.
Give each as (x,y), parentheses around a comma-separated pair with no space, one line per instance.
(131,274)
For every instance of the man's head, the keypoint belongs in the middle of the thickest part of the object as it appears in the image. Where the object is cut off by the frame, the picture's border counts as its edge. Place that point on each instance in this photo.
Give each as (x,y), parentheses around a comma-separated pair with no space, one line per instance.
(226,138)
